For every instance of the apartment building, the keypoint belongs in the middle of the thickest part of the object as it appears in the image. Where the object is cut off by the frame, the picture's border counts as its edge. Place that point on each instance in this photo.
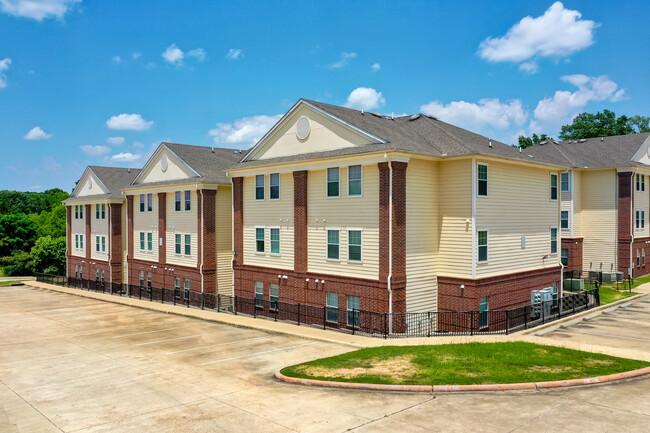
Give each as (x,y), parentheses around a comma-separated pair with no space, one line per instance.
(358,210)
(604,201)
(96,224)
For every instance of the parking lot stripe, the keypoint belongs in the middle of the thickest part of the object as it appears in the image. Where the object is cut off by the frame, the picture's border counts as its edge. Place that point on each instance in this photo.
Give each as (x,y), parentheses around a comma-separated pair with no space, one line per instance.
(183,338)
(221,344)
(605,335)
(257,353)
(82,307)
(114,313)
(151,332)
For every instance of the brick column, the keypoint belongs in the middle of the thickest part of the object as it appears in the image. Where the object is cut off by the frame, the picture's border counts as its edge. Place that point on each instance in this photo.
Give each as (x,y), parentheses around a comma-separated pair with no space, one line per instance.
(68,244)
(398,281)
(130,234)
(162,227)
(625,216)
(300,233)
(88,244)
(238,219)
(209,246)
(115,221)
(574,247)
(384,220)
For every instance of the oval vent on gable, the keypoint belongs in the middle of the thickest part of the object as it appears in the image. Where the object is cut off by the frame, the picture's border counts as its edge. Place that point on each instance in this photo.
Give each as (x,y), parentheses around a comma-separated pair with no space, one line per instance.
(303,127)
(90,183)
(163,163)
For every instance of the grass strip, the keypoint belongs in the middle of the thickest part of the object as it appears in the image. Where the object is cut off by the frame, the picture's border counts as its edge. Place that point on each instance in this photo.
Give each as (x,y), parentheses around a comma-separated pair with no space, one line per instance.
(9,283)
(609,295)
(462,364)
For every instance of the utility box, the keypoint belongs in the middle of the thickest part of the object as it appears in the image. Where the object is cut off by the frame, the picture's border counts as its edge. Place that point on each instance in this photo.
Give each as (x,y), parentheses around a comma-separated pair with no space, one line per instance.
(541,302)
(574,284)
(610,277)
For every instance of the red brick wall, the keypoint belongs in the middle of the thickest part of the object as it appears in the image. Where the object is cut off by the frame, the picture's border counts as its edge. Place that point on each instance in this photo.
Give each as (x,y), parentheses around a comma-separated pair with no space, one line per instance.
(300,234)
(574,245)
(384,220)
(162,276)
(89,268)
(162,227)
(505,291)
(238,220)
(624,220)
(208,249)
(68,225)
(88,243)
(398,280)
(640,244)
(115,247)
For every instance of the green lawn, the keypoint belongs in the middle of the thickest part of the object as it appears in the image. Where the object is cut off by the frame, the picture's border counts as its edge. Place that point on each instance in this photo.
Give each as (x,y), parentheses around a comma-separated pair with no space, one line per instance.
(609,295)
(462,364)
(8,283)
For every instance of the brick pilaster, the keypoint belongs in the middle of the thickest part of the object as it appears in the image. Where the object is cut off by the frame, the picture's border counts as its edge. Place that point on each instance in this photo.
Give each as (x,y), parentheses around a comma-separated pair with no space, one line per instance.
(129,235)
(238,220)
(162,228)
(384,220)
(68,231)
(398,281)
(300,235)
(209,245)
(625,215)
(574,247)
(115,221)
(88,243)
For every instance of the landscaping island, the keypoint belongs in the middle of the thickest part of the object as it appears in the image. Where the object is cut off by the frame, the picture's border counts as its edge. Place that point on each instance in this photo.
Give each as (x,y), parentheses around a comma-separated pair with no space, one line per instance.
(462,364)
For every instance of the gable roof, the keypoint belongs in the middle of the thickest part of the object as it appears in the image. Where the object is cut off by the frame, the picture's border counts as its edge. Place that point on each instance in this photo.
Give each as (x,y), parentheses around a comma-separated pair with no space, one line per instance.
(113,178)
(598,152)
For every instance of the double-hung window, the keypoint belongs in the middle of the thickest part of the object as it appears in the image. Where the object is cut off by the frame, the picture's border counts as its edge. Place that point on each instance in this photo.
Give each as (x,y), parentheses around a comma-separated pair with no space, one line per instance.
(640,219)
(177,207)
(97,211)
(355,187)
(274,296)
(188,245)
(553,186)
(103,244)
(149,202)
(187,288)
(188,201)
(482,179)
(274,186)
(142,247)
(553,240)
(81,211)
(483,308)
(76,212)
(564,258)
(81,242)
(275,240)
(259,240)
(354,245)
(103,211)
(149,280)
(333,244)
(259,187)
(76,241)
(259,294)
(150,241)
(353,310)
(564,219)
(177,287)
(482,246)
(97,243)
(564,182)
(638,257)
(333,182)
(642,256)
(640,182)
(177,243)
(332,307)
(141,278)
(141,202)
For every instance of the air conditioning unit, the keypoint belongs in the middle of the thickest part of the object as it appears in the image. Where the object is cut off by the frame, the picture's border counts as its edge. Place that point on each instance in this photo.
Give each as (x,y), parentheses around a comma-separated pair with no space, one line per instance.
(541,302)
(619,276)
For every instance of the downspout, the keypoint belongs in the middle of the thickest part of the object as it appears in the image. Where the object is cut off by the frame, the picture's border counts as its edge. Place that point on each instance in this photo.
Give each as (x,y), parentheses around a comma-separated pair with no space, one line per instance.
(126,230)
(632,224)
(232,231)
(571,188)
(202,240)
(110,243)
(390,244)
(473,221)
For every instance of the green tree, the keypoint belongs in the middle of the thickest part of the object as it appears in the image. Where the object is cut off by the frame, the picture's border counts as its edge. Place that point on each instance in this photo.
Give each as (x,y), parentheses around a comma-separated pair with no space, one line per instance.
(601,124)
(20,264)
(640,123)
(17,233)
(49,255)
(525,142)
(50,223)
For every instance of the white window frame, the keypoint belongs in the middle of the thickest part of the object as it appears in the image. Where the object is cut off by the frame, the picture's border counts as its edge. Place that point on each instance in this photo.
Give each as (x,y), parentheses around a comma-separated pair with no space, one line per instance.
(562,219)
(356,319)
(259,294)
(187,202)
(186,288)
(81,211)
(486,180)
(187,245)
(143,203)
(81,242)
(642,219)
(557,237)
(327,182)
(329,306)
(103,244)
(143,241)
(348,230)
(638,257)
(263,187)
(271,186)
(97,211)
(273,304)
(103,211)
(557,188)
(76,241)
(178,203)
(478,246)
(484,316)
(150,202)
(278,228)
(562,256)
(360,181)
(178,244)
(150,241)
(327,243)
(642,256)
(76,211)
(263,240)
(141,279)
(568,182)
(97,244)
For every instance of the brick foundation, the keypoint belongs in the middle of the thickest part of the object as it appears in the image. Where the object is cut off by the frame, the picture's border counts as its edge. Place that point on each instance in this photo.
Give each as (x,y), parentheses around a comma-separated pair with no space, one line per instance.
(625,205)
(640,244)
(574,245)
(505,291)
(162,277)
(89,268)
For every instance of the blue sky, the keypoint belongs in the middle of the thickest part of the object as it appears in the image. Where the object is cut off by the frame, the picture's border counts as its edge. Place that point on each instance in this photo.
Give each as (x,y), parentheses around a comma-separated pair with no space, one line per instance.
(104,82)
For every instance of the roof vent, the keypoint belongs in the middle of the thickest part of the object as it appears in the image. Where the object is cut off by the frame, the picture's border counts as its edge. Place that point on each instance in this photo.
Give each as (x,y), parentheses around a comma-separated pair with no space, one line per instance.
(432,117)
(519,149)
(128,170)
(377,114)
(212,149)
(541,143)
(601,138)
(415,116)
(490,142)
(582,140)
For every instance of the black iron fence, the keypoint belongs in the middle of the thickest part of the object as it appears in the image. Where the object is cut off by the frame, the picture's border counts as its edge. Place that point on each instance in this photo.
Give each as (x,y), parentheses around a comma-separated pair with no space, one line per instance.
(588,280)
(386,325)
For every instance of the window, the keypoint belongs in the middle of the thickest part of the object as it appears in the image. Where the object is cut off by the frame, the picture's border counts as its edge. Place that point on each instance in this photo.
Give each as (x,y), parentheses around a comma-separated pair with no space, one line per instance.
(76,241)
(141,278)
(177,208)
(553,240)
(81,211)
(188,245)
(177,287)
(274,296)
(332,307)
(177,244)
(188,200)
(97,243)
(275,241)
(149,280)
(76,271)
(259,239)
(81,272)
(103,211)
(353,311)
(76,212)
(97,211)
(640,219)
(187,288)
(483,312)
(554,287)
(643,257)
(354,181)
(103,244)
(333,176)
(274,186)
(141,241)
(640,182)
(150,241)
(354,245)
(97,275)
(332,244)
(149,202)
(103,277)
(553,186)
(141,202)
(81,242)
(564,219)
(259,187)
(482,246)
(638,257)
(564,256)
(482,177)
(259,294)
(564,182)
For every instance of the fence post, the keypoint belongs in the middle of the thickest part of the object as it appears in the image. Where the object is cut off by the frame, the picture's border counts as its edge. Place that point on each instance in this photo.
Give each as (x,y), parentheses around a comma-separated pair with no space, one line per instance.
(428,323)
(218,301)
(471,323)
(298,313)
(507,322)
(324,316)
(525,317)
(385,326)
(234,305)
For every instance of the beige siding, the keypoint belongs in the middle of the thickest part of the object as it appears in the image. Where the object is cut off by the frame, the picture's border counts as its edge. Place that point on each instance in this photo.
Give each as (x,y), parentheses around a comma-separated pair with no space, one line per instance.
(223,240)
(641,204)
(577,203)
(78,227)
(455,232)
(176,168)
(89,185)
(183,223)
(325,135)
(269,214)
(422,203)
(599,220)
(145,222)
(344,213)
(98,227)
(518,205)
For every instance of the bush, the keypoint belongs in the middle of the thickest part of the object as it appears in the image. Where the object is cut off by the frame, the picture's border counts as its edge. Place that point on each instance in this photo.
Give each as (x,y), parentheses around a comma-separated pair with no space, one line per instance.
(49,255)
(20,264)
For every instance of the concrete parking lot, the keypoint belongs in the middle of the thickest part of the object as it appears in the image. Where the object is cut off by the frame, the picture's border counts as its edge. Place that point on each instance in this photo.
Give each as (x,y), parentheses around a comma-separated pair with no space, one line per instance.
(73,364)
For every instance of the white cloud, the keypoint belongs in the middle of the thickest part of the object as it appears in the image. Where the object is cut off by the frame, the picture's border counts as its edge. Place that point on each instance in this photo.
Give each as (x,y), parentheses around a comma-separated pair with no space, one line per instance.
(559,32)
(343,60)
(244,132)
(126,157)
(136,55)
(37,9)
(487,112)
(116,141)
(4,65)
(564,105)
(133,122)
(375,67)
(365,98)
(95,150)
(117,60)
(138,145)
(173,55)
(36,133)
(197,53)
(234,54)
(531,67)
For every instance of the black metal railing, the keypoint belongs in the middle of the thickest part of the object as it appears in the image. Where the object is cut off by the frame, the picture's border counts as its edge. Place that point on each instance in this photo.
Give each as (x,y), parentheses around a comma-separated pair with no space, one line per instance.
(386,325)
(587,280)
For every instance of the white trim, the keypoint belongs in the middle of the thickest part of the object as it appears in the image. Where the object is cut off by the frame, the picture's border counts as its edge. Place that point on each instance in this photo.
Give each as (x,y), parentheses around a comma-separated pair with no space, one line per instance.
(152,157)
(569,181)
(263,187)
(487,181)
(81,183)
(185,244)
(264,240)
(348,230)
(550,186)
(279,241)
(473,220)
(279,183)
(327,244)
(568,220)
(557,240)
(476,259)
(348,173)
(572,180)
(327,182)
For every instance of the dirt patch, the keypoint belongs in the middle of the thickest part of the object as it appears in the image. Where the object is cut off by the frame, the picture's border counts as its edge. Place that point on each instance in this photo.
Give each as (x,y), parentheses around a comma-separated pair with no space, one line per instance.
(545,369)
(448,358)
(398,368)
(472,374)
(591,361)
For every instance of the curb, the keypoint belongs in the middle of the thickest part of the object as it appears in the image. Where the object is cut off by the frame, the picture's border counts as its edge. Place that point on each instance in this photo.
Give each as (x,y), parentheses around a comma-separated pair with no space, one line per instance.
(465,388)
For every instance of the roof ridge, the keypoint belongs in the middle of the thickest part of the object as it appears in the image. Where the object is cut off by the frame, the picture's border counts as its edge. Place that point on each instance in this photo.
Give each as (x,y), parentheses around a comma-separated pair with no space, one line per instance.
(449,134)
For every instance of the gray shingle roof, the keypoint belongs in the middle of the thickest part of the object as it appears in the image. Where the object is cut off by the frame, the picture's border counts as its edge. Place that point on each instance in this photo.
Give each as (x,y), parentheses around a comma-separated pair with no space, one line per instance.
(615,151)
(209,162)
(114,178)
